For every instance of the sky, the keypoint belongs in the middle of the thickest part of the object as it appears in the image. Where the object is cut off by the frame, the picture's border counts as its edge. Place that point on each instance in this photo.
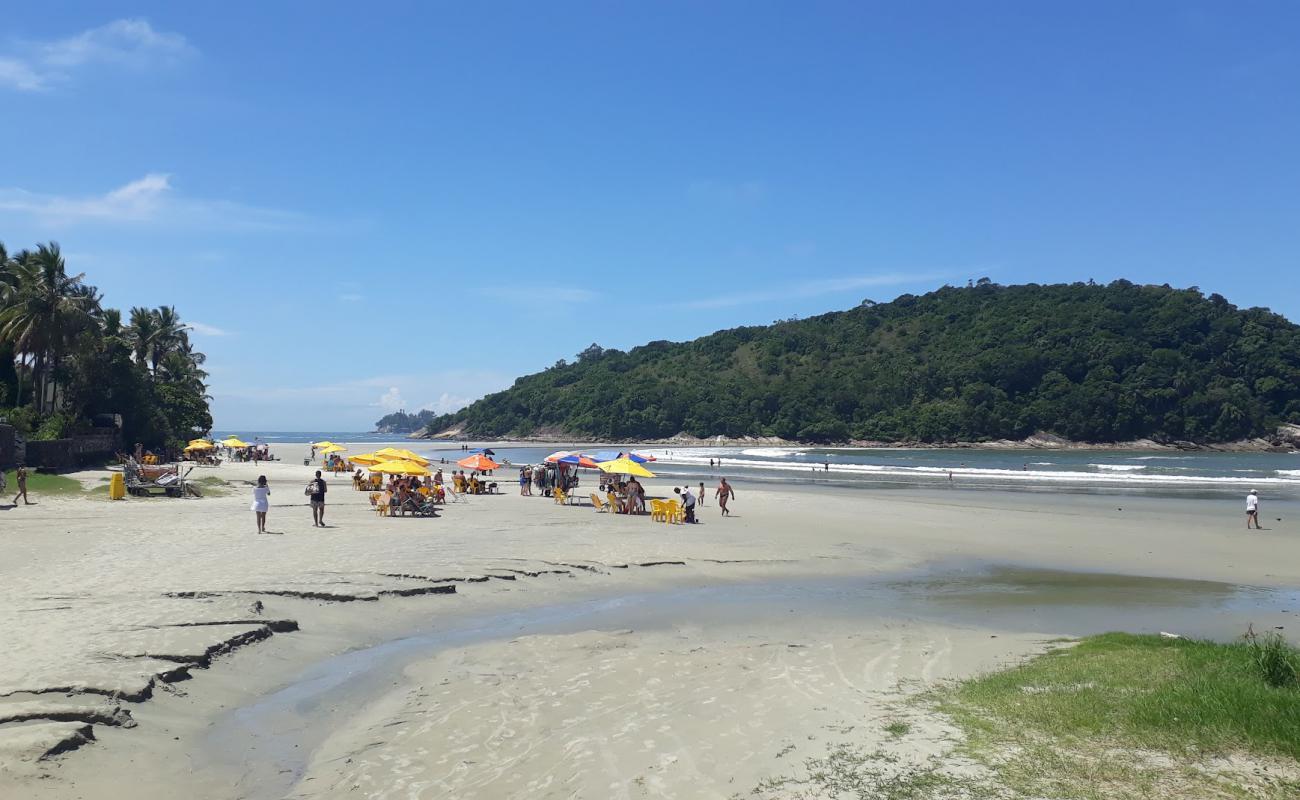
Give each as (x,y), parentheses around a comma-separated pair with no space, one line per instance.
(366,207)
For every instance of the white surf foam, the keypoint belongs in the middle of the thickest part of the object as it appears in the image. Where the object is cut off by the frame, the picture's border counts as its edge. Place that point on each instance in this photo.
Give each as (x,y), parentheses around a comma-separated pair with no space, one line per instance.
(1119,467)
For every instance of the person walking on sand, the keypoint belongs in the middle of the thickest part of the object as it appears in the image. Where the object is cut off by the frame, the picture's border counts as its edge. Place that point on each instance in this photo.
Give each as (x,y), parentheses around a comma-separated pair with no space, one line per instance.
(20,478)
(261,502)
(724,492)
(316,492)
(1252,510)
(699,498)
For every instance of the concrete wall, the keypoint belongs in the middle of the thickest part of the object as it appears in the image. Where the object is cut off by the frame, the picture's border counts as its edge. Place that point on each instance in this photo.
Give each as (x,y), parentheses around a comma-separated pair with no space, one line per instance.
(57,454)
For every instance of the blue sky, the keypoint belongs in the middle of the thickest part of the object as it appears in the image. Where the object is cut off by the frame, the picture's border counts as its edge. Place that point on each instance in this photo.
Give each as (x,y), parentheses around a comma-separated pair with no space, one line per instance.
(510,182)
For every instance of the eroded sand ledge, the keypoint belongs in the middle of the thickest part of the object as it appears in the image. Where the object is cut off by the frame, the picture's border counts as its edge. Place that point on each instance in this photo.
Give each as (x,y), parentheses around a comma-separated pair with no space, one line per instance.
(109,607)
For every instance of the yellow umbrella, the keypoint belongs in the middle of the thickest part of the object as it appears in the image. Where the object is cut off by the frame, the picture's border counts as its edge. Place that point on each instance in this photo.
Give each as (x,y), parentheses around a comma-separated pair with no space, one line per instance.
(199,444)
(402,455)
(625,466)
(367,459)
(399,467)
(234,442)
(326,443)
(333,448)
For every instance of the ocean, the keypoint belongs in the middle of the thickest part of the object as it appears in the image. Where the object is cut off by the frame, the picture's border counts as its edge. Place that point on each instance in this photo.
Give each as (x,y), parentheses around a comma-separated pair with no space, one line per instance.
(1161,472)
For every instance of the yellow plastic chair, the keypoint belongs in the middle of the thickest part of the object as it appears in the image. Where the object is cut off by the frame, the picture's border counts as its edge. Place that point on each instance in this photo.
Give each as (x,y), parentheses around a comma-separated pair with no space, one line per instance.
(558,495)
(658,512)
(597,503)
(673,510)
(613,502)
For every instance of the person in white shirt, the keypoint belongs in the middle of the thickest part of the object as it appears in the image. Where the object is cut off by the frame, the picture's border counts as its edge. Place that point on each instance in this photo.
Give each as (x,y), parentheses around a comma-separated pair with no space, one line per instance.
(1252,510)
(688,504)
(261,502)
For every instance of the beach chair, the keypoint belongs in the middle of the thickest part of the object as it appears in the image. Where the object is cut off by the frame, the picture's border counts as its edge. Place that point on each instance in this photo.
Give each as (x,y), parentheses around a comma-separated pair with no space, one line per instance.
(597,503)
(613,502)
(673,511)
(560,497)
(385,507)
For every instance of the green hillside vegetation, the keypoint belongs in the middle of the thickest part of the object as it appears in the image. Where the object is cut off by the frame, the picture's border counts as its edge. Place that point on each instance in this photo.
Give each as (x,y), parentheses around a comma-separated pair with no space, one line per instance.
(402,422)
(1087,362)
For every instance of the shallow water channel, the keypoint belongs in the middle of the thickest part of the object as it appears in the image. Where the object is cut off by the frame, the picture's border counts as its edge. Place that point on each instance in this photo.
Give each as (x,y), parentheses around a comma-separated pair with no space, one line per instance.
(269,741)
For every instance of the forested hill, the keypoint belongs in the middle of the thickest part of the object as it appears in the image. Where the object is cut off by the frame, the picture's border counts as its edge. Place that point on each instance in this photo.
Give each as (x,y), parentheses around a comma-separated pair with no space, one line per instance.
(402,422)
(1083,361)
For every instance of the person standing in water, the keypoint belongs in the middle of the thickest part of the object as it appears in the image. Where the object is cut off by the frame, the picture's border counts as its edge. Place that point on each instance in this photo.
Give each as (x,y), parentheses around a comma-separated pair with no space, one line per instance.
(261,502)
(724,493)
(1252,510)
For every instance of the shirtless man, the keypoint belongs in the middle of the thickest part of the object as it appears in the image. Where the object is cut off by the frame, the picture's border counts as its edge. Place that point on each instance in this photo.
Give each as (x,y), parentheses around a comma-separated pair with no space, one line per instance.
(724,493)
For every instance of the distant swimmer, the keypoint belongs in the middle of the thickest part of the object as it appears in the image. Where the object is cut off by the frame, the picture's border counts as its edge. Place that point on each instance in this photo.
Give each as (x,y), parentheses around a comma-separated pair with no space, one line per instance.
(1252,510)
(828,466)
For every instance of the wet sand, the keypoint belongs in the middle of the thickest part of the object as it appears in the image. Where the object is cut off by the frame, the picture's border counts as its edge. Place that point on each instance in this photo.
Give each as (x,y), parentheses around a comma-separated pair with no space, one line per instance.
(112,600)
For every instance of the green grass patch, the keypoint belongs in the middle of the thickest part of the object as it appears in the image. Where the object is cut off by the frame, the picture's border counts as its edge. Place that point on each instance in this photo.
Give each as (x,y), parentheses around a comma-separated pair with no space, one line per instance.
(1123,715)
(897,728)
(39,483)
(1144,691)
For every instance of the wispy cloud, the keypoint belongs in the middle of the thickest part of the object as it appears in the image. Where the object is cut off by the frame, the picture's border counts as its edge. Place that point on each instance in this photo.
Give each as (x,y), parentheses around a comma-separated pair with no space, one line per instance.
(207,330)
(33,66)
(815,288)
(391,400)
(147,200)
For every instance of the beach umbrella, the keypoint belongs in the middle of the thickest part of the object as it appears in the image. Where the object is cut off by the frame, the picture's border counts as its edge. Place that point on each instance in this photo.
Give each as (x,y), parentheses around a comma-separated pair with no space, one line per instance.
(199,444)
(580,460)
(625,466)
(368,459)
(402,454)
(333,448)
(478,462)
(610,455)
(326,443)
(556,456)
(400,467)
(234,441)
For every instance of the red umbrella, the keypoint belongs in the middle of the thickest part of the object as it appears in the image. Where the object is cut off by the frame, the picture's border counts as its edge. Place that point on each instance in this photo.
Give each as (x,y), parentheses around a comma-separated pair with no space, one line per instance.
(479,462)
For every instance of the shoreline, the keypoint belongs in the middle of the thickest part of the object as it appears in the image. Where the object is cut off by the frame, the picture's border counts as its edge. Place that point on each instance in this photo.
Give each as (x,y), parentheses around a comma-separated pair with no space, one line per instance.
(161,584)
(1285,440)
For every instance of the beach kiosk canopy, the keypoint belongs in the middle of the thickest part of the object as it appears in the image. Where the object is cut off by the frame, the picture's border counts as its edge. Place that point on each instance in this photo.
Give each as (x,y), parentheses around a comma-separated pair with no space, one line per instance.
(625,466)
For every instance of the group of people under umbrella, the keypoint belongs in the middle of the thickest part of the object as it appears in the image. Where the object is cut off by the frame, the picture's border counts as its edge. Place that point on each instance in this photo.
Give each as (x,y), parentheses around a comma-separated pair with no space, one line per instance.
(620,471)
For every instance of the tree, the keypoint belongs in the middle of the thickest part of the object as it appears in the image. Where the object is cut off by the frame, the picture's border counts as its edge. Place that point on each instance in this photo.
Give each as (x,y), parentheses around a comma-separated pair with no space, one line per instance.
(44,308)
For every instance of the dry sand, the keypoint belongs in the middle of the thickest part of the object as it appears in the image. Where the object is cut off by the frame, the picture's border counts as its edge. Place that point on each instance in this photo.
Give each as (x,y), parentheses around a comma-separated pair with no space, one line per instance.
(107,606)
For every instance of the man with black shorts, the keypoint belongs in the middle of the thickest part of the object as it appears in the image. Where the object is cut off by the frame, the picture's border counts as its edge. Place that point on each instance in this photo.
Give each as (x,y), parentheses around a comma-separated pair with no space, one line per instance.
(316,492)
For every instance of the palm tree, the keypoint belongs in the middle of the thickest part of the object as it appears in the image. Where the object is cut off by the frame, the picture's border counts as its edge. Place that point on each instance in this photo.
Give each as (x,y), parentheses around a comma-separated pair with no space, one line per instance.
(44,308)
(169,336)
(142,334)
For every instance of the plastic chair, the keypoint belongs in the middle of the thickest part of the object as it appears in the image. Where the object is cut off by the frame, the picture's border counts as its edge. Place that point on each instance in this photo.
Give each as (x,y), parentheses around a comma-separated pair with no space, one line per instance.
(658,510)
(597,503)
(673,510)
(560,497)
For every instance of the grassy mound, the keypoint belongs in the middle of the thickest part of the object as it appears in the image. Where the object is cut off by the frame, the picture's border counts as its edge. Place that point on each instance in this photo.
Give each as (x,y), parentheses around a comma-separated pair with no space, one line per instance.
(41,484)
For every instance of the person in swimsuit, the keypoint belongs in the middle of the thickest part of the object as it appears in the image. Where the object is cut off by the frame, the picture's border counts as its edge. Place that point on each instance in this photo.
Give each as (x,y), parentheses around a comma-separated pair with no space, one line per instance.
(724,493)
(20,478)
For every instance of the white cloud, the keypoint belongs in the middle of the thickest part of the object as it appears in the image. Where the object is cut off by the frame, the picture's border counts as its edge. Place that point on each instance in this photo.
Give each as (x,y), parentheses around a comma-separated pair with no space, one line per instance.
(447,403)
(391,400)
(726,299)
(207,330)
(147,200)
(128,43)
